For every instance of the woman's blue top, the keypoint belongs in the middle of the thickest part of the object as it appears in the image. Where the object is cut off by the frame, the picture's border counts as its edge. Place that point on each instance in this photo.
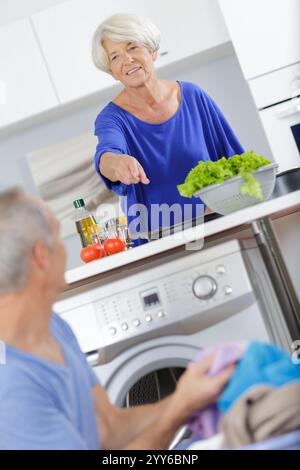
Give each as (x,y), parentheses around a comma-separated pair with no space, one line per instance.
(167,151)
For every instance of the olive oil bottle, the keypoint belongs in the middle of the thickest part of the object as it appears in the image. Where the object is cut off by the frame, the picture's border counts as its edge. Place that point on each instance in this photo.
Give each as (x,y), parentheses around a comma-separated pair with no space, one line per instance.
(86,224)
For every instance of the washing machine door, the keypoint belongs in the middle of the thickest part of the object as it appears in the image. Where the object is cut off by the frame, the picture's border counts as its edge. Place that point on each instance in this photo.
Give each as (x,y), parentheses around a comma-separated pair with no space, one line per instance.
(132,374)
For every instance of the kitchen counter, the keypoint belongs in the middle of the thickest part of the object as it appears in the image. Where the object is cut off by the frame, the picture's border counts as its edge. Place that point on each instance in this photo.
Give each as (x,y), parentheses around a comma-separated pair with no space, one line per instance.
(273,208)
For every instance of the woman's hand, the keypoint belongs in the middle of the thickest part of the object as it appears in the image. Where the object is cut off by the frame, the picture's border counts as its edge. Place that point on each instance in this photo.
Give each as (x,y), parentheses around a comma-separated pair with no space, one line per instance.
(129,171)
(196,389)
(123,168)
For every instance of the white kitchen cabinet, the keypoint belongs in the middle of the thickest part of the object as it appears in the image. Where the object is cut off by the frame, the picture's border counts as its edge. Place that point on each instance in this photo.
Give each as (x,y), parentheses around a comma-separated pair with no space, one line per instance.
(26,86)
(188,27)
(265,33)
(65,32)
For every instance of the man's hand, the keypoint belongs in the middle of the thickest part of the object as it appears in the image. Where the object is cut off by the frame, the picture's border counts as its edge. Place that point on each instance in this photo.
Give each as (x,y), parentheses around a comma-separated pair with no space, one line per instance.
(196,389)
(154,426)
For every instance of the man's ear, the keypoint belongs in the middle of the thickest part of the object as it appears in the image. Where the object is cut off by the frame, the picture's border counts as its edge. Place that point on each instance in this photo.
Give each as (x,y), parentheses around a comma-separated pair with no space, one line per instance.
(41,255)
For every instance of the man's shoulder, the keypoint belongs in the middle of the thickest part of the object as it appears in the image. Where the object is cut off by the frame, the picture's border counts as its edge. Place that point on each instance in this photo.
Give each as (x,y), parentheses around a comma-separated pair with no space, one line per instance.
(10,371)
(61,328)
(63,332)
(58,321)
(18,382)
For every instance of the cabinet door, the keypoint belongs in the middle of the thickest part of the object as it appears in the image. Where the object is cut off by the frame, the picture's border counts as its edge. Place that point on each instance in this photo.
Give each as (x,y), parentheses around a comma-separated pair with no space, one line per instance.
(26,86)
(265,33)
(188,27)
(65,34)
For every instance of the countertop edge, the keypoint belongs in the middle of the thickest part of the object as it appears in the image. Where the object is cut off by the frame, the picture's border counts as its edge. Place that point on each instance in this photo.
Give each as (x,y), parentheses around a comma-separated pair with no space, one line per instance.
(280,206)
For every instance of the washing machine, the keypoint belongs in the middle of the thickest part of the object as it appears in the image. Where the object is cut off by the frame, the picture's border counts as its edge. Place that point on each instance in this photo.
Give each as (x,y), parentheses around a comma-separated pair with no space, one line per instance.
(141,327)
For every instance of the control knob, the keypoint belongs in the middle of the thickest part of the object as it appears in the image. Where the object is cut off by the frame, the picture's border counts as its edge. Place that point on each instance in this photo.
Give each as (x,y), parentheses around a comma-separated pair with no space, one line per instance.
(204,287)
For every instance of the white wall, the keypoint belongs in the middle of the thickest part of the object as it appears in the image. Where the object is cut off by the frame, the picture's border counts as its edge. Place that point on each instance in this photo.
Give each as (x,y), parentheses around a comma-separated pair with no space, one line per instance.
(222,79)
(224,82)
(13,10)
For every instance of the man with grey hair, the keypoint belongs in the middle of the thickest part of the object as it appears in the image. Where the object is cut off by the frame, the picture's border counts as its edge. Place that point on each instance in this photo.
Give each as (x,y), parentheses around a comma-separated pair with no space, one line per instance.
(49,396)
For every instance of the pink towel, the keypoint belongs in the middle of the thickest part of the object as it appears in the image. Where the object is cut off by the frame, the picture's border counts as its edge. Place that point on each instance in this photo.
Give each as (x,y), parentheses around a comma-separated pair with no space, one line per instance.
(204,423)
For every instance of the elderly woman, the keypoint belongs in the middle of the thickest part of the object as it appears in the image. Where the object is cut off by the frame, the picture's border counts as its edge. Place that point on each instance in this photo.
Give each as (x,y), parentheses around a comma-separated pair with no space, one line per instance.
(154,131)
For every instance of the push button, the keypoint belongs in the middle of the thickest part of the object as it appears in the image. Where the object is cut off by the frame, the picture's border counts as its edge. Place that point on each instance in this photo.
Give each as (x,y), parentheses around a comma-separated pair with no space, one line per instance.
(161,314)
(112,330)
(220,269)
(227,290)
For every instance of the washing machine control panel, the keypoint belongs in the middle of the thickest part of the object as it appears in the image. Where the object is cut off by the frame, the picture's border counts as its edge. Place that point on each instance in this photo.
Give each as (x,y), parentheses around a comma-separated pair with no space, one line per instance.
(182,296)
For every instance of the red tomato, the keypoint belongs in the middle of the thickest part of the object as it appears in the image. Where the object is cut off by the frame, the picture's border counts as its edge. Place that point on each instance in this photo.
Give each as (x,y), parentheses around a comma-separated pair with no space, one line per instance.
(101,250)
(114,245)
(92,252)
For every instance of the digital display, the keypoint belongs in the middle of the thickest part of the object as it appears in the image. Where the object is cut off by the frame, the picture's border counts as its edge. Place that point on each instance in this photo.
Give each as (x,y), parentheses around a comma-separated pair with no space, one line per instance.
(150,298)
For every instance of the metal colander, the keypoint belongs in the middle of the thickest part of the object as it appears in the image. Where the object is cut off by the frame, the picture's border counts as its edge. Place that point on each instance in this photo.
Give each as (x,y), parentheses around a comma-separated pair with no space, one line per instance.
(225,197)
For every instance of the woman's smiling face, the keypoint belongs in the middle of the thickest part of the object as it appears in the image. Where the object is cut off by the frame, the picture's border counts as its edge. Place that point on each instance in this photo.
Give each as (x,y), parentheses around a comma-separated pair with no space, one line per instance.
(129,62)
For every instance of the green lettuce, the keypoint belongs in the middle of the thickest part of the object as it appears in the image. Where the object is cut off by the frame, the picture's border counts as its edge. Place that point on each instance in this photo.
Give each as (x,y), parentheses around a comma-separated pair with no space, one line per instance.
(206,173)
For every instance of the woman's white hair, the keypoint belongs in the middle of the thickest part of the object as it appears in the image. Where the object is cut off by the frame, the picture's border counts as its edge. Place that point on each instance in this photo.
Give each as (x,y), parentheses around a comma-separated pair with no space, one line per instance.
(120,28)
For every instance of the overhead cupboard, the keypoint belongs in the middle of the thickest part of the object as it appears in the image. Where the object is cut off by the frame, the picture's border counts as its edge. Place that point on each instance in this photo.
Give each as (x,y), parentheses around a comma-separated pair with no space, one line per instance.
(266,37)
(65,34)
(264,33)
(47,58)
(26,85)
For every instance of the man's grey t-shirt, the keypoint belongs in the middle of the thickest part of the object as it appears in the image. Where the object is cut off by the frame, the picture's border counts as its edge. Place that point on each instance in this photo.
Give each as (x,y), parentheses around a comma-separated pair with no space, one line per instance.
(44,405)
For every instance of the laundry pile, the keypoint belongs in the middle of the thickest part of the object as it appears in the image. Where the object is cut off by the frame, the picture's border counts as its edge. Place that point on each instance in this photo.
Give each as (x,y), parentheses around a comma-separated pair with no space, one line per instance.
(260,402)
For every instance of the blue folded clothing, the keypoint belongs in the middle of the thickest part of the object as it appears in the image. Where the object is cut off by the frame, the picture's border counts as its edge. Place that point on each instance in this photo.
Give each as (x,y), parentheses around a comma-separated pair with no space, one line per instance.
(261,364)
